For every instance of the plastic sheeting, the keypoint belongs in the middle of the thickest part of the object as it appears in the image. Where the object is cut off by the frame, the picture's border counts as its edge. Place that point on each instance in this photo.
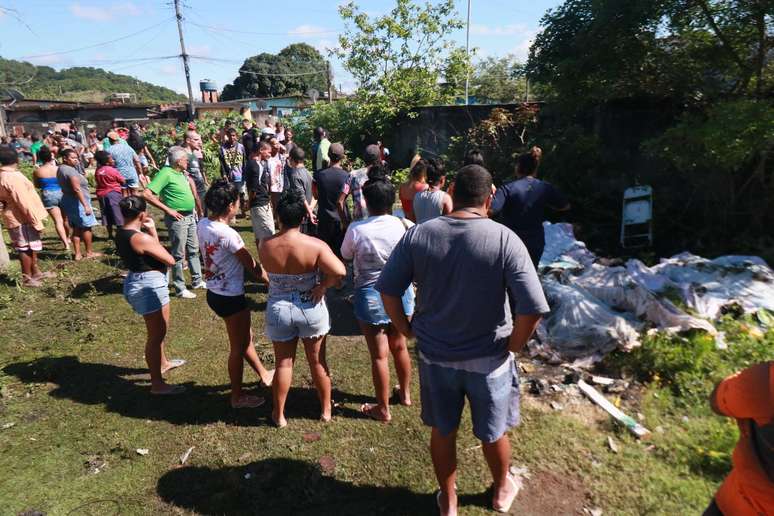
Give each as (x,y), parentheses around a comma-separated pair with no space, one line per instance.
(597,308)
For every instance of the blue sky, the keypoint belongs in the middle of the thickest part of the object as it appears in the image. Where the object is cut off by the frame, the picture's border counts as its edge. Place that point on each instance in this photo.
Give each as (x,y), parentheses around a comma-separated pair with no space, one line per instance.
(45,31)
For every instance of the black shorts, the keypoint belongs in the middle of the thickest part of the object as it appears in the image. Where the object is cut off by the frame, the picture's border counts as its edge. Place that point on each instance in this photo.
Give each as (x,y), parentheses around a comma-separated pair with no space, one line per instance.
(226,306)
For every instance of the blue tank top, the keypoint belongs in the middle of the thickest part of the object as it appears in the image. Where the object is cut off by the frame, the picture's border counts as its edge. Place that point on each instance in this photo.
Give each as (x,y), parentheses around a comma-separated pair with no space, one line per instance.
(48,183)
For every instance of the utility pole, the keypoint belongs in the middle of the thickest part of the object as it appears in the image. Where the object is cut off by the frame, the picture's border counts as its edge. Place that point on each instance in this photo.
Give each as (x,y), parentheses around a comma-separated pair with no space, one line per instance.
(467,53)
(184,55)
(329,75)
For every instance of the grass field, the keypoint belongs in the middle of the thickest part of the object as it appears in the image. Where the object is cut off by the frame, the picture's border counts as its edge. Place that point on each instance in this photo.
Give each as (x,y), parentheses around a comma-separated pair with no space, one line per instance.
(75,408)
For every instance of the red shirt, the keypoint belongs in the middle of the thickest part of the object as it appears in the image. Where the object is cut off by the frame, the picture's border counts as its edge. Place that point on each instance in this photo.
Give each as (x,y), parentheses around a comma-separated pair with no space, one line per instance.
(108,180)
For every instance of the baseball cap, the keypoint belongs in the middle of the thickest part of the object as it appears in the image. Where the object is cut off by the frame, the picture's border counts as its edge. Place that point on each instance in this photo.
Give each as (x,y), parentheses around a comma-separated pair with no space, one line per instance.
(371,154)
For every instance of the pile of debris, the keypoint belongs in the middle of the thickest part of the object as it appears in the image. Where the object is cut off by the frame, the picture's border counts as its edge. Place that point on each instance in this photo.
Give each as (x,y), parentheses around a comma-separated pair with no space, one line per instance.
(598,306)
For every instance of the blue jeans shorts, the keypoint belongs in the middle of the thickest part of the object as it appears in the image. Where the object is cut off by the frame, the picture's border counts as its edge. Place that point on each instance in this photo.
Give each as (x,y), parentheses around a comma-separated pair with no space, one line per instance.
(493,397)
(76,215)
(146,292)
(51,198)
(370,309)
(291,316)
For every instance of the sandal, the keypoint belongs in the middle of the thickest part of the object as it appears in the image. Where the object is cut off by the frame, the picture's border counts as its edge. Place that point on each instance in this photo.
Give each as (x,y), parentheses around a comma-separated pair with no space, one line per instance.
(174,364)
(506,506)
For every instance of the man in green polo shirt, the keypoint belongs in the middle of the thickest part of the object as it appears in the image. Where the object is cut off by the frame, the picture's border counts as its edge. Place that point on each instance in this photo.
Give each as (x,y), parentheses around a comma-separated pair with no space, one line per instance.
(174,193)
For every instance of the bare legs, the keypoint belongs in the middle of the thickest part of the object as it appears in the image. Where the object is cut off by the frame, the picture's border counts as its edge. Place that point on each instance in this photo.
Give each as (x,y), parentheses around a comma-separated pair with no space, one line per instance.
(29,266)
(61,226)
(156,324)
(86,235)
(285,353)
(381,341)
(443,449)
(240,337)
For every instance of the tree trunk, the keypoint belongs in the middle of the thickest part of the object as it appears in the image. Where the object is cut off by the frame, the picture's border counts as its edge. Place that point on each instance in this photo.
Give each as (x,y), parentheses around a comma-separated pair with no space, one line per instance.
(4,258)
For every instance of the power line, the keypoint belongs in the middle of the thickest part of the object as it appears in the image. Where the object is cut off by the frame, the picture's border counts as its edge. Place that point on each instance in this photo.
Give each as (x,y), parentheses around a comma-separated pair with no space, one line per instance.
(289,33)
(97,44)
(231,61)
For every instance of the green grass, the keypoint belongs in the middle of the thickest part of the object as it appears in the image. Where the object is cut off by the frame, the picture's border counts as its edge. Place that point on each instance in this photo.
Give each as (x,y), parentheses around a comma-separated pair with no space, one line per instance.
(73,382)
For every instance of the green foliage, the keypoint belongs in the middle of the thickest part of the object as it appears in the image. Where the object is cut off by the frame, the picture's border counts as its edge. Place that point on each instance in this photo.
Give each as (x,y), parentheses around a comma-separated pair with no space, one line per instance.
(295,70)
(685,49)
(78,84)
(499,79)
(690,366)
(500,138)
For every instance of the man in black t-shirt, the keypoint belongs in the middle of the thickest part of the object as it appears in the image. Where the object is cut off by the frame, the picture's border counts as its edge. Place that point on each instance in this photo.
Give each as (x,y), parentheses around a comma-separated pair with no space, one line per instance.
(250,137)
(326,189)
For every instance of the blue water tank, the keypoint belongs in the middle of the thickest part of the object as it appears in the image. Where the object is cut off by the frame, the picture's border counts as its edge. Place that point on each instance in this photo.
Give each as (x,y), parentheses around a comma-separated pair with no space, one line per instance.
(207,85)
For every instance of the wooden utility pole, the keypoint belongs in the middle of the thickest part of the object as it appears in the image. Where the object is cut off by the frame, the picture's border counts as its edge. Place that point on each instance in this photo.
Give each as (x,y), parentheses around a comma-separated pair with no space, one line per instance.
(184,55)
(467,54)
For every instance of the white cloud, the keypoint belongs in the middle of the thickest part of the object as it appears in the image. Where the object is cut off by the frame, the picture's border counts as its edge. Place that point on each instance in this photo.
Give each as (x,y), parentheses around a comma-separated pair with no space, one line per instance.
(521,50)
(513,29)
(101,13)
(303,30)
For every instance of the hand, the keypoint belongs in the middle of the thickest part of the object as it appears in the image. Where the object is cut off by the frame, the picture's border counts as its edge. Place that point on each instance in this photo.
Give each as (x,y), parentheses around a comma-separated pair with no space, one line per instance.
(318,292)
(313,219)
(175,214)
(87,210)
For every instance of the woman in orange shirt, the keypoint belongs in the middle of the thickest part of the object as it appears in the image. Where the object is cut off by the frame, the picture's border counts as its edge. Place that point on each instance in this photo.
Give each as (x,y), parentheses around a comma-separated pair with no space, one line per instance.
(748,396)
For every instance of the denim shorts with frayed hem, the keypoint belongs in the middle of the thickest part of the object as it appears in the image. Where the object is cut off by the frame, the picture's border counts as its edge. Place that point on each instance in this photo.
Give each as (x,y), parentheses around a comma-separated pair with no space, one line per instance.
(493,397)
(146,292)
(370,309)
(295,315)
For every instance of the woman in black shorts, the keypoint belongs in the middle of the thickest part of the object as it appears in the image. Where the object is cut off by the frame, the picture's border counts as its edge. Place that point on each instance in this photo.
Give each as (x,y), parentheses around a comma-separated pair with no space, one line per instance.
(225,261)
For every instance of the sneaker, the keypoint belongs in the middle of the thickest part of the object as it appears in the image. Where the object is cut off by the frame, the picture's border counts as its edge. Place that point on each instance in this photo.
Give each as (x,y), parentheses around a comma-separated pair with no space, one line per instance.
(186,294)
(200,285)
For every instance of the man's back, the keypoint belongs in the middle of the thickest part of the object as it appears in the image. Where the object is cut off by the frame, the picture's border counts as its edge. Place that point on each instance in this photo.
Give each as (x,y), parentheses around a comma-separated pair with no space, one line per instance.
(462,267)
(329,184)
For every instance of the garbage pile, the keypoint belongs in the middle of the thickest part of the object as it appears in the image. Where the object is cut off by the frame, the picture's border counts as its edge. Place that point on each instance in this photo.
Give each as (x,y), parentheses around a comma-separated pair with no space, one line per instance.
(598,306)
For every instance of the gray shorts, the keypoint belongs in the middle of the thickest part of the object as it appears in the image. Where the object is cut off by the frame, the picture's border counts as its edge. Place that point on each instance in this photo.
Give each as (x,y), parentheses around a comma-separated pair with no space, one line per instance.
(292,316)
(263,221)
(493,397)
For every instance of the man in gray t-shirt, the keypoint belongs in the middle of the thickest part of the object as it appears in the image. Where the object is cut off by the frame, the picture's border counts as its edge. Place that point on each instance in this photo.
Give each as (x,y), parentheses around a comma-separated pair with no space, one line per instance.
(465,267)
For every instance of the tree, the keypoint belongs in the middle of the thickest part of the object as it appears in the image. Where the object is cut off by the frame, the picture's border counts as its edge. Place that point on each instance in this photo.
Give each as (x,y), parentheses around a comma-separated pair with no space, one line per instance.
(685,49)
(499,79)
(400,59)
(294,71)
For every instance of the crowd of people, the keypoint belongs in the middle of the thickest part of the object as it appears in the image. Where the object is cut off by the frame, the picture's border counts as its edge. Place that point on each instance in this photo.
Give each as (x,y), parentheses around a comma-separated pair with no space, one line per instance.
(457,271)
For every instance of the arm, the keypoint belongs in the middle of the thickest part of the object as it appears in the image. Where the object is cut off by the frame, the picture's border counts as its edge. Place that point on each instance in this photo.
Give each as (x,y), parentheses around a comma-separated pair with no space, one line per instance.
(333,272)
(250,265)
(394,307)
(149,196)
(197,201)
(223,165)
(341,204)
(315,192)
(310,212)
(448,206)
(137,164)
(150,157)
(146,244)
(75,183)
(523,328)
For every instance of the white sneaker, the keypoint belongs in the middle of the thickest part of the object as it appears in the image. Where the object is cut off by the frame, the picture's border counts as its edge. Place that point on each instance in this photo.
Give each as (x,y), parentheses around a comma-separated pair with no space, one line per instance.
(186,294)
(200,285)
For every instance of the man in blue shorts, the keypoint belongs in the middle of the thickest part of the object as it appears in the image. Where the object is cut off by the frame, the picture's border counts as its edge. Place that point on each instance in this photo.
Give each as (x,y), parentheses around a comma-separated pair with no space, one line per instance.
(471,274)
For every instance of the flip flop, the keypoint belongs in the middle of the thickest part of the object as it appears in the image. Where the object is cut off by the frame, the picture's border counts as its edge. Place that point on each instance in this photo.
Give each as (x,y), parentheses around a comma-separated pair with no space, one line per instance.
(506,507)
(174,364)
(276,424)
(396,395)
(248,401)
(173,390)
(367,409)
(438,498)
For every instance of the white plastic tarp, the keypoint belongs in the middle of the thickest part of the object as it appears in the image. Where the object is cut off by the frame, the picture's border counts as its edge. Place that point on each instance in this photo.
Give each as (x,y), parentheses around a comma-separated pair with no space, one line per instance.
(596,308)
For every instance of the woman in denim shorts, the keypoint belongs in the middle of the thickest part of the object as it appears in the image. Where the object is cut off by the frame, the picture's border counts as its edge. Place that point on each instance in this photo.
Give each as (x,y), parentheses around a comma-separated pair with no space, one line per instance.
(300,269)
(146,288)
(369,244)
(51,193)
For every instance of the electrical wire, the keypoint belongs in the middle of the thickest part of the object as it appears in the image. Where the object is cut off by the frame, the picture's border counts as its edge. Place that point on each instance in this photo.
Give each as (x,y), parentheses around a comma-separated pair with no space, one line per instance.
(96,45)
(289,33)
(231,61)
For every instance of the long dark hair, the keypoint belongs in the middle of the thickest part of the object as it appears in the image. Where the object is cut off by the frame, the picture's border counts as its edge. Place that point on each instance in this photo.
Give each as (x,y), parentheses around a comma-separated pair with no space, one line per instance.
(135,140)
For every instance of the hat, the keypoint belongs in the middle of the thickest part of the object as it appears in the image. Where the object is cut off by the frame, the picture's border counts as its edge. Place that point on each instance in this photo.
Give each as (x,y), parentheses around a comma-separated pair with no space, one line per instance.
(112,135)
(337,150)
(371,154)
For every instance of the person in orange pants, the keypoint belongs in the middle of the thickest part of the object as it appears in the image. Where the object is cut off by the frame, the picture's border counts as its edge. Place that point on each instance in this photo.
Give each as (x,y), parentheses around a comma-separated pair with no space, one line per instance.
(748,397)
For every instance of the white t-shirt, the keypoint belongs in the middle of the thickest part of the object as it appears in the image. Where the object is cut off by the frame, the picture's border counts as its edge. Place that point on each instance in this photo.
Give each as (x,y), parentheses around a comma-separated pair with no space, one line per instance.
(369,242)
(223,272)
(276,167)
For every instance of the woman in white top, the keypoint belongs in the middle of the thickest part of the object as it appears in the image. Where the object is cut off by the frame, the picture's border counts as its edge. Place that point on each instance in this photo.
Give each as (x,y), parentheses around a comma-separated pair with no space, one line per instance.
(369,243)
(432,202)
(225,261)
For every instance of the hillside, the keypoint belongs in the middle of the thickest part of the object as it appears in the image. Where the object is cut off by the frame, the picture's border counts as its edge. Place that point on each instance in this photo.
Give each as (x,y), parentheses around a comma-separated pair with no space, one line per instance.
(77,84)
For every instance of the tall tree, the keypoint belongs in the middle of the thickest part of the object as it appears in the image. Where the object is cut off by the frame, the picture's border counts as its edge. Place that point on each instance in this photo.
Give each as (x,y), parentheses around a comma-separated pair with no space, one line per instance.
(399,59)
(499,79)
(685,49)
(294,71)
